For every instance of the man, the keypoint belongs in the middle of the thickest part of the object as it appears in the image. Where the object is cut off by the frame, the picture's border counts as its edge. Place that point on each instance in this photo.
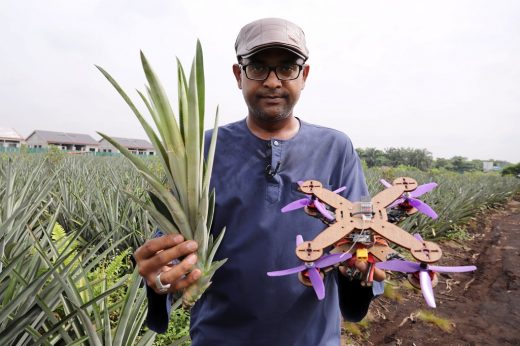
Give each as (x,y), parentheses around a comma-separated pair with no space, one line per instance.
(258,162)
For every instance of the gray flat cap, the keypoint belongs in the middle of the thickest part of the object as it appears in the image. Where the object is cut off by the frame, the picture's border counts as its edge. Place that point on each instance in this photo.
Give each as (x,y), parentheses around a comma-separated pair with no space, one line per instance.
(270,33)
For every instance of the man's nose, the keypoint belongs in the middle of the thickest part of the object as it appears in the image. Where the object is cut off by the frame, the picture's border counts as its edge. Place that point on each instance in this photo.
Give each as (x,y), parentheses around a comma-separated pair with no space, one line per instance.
(272,80)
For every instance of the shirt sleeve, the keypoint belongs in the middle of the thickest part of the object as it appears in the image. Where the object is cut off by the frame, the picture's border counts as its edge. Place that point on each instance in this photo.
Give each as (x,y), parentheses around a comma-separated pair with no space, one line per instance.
(159,306)
(354,299)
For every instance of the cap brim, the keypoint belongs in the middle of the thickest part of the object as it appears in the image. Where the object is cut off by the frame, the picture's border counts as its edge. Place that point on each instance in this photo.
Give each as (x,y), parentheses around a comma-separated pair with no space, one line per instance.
(281,46)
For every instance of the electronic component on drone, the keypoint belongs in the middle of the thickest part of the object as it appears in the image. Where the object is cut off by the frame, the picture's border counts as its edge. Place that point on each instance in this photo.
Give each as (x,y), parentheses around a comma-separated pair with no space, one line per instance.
(362,254)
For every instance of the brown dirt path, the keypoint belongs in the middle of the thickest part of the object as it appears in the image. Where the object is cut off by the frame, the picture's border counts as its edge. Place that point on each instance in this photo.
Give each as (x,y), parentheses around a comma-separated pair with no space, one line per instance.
(483,307)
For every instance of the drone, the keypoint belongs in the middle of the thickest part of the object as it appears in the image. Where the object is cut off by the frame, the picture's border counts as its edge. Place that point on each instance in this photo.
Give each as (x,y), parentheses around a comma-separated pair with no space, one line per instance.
(362,230)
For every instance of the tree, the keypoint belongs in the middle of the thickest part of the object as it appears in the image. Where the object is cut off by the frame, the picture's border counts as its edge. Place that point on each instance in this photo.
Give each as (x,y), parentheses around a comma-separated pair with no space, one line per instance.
(512,170)
(461,164)
(395,157)
(420,158)
(372,156)
(443,163)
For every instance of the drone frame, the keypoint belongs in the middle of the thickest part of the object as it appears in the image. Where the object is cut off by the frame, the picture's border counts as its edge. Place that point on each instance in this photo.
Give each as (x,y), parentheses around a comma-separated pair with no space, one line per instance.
(347,221)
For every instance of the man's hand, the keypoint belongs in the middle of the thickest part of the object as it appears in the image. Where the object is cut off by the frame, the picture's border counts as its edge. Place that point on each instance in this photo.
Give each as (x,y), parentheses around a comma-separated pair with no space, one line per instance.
(362,266)
(154,257)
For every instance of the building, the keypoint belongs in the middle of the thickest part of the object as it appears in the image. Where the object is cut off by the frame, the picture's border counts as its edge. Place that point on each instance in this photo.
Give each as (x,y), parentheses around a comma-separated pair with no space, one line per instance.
(487,166)
(9,138)
(63,140)
(135,146)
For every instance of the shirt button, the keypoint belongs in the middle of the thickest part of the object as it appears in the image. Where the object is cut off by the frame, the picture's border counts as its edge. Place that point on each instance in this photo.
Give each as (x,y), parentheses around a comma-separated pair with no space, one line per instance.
(276,143)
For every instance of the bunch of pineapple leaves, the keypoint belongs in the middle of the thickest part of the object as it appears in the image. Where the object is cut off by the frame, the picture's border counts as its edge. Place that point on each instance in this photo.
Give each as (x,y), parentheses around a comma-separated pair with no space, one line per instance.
(184,204)
(46,297)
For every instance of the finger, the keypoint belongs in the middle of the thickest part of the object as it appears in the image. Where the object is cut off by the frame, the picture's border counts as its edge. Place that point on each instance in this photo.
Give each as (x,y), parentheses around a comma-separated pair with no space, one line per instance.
(151,266)
(187,281)
(362,266)
(379,275)
(175,273)
(152,246)
(343,270)
(350,262)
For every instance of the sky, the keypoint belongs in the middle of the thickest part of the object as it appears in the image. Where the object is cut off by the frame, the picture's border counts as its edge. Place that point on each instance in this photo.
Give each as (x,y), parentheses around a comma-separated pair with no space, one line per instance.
(437,75)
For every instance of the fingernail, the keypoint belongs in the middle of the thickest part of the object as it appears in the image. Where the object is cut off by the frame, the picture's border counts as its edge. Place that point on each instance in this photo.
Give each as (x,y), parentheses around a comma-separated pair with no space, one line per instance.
(177,238)
(191,245)
(191,259)
(196,274)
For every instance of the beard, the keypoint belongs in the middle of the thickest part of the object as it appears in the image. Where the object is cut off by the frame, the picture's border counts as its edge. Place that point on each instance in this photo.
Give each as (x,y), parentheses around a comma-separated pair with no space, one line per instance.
(271,113)
(270,117)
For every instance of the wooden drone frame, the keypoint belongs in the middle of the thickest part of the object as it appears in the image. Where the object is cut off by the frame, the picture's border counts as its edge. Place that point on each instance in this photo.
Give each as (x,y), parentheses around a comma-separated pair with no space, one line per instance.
(347,222)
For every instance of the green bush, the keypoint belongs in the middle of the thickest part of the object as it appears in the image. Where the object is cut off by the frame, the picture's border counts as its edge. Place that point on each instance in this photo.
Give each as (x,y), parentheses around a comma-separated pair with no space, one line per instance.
(178,330)
(512,170)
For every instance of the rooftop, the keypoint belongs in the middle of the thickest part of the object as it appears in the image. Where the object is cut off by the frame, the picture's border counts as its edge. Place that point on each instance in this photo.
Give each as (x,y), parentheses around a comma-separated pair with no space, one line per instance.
(132,143)
(64,137)
(9,133)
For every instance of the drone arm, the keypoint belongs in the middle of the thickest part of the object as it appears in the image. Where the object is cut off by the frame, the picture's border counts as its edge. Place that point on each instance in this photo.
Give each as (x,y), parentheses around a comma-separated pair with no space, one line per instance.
(384,198)
(381,252)
(396,235)
(424,251)
(331,198)
(332,234)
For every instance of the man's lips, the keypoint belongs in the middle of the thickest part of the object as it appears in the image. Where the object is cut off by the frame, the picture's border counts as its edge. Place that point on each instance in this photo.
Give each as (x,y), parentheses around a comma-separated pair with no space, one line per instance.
(272,97)
(277,100)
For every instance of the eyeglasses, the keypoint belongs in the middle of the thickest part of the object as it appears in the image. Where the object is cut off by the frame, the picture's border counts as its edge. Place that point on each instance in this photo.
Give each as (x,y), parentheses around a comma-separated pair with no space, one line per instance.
(260,72)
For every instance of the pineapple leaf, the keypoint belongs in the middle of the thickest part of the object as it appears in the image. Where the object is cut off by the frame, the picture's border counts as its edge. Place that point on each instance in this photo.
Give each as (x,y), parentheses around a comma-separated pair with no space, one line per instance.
(183,98)
(199,68)
(215,246)
(193,151)
(160,206)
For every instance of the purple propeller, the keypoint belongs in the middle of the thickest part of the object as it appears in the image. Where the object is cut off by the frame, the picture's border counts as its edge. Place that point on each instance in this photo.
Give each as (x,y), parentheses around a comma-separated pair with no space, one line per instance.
(312,269)
(311,201)
(424,273)
(410,198)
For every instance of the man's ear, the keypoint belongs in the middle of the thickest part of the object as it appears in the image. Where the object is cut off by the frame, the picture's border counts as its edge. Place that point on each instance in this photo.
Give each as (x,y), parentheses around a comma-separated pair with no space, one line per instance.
(237,71)
(305,73)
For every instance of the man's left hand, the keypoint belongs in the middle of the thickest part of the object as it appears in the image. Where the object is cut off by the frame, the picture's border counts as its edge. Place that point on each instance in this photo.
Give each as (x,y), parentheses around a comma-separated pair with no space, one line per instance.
(362,266)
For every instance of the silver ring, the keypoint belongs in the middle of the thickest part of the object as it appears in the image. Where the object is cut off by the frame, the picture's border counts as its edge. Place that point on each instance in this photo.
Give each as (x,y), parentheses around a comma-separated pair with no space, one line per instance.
(162,288)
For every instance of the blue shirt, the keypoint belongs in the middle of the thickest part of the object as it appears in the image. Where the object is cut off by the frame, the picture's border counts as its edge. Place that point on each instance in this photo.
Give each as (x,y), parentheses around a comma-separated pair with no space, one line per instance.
(244,306)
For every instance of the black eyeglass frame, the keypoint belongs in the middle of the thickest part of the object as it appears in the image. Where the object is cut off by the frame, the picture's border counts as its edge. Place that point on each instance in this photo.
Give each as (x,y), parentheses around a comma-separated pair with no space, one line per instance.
(272,68)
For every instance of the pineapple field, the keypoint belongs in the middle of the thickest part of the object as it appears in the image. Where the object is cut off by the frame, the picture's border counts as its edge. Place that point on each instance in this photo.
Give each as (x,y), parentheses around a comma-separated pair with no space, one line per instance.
(69,223)
(478,308)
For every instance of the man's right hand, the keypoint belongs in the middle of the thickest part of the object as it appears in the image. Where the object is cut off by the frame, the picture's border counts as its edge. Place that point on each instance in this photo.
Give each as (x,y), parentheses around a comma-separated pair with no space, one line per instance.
(154,257)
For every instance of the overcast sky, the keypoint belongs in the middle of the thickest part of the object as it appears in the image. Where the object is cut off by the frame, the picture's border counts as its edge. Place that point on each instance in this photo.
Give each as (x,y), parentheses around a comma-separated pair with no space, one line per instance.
(439,75)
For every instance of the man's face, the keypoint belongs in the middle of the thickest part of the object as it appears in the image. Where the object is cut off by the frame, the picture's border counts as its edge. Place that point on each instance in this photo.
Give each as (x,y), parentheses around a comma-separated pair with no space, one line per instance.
(271,100)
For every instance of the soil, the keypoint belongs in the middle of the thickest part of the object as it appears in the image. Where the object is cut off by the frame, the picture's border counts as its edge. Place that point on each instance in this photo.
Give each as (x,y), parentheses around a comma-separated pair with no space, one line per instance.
(482,307)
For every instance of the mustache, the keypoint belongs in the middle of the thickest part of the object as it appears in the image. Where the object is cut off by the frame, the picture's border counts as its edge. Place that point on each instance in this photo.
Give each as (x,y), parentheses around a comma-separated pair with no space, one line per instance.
(271,95)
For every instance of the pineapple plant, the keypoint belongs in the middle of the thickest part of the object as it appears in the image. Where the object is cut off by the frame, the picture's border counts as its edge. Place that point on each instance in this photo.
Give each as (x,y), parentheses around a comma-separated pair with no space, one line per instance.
(183,203)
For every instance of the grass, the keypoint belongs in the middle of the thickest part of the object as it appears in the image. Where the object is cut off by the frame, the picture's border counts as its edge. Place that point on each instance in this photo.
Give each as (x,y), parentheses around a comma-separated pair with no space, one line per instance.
(392,292)
(429,317)
(459,232)
(357,331)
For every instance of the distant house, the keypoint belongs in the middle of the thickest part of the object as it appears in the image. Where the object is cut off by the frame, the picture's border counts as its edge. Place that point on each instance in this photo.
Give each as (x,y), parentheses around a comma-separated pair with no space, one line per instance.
(63,140)
(9,138)
(492,166)
(136,146)
(487,166)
